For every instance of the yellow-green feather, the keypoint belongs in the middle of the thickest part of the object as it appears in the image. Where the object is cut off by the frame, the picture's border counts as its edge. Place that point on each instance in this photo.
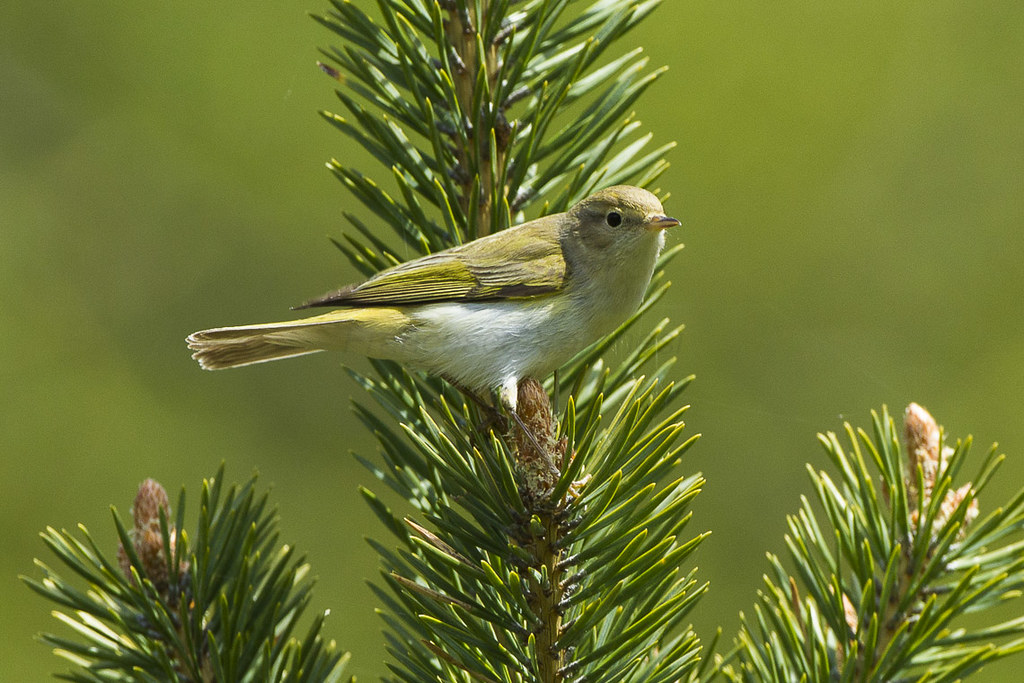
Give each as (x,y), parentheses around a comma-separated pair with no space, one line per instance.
(524,261)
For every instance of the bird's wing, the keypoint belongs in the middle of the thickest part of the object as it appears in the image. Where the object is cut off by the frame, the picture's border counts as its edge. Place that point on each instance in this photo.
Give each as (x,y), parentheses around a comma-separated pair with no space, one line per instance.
(528,262)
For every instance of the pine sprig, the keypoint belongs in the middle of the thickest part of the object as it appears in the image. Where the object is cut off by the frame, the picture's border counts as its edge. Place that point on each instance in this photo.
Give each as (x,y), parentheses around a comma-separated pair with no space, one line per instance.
(222,604)
(600,556)
(555,557)
(478,109)
(887,568)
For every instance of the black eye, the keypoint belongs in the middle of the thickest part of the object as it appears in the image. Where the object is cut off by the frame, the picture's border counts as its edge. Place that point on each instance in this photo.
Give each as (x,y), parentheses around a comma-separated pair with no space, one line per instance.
(614,219)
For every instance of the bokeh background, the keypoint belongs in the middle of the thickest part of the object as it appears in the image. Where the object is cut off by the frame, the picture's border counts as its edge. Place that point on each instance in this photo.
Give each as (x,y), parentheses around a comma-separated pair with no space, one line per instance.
(849,176)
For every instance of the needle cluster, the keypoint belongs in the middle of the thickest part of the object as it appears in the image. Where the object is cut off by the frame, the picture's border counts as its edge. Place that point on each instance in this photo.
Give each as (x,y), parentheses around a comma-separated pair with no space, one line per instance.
(557,555)
(898,572)
(222,604)
(478,108)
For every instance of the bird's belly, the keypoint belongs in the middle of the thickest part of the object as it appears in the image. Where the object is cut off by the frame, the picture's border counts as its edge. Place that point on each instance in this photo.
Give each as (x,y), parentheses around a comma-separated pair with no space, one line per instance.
(483,344)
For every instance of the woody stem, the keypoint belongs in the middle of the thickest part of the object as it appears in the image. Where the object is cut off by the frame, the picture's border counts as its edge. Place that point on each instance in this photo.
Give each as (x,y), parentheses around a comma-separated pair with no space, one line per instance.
(477,158)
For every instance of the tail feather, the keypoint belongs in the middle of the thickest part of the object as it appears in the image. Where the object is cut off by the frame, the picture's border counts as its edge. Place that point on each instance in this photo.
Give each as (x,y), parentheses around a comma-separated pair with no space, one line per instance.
(362,331)
(217,352)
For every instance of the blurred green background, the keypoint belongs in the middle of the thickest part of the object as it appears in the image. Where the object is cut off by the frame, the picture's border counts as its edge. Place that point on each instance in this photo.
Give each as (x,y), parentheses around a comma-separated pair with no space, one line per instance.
(849,176)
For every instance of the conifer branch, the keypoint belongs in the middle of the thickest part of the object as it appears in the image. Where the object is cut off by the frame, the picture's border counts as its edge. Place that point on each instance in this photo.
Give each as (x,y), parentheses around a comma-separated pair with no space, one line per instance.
(221,604)
(882,583)
(464,103)
(554,555)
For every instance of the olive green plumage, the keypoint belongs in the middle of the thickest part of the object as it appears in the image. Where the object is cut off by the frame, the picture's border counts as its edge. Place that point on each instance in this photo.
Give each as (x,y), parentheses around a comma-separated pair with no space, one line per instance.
(523,261)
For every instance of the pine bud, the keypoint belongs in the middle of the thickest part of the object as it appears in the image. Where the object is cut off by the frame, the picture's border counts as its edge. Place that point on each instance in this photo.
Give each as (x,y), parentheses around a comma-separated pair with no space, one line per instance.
(921,434)
(150,499)
(539,453)
(147,538)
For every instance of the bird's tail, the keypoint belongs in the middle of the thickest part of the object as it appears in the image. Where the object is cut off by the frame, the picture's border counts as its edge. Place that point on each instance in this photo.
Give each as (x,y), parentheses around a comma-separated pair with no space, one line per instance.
(231,347)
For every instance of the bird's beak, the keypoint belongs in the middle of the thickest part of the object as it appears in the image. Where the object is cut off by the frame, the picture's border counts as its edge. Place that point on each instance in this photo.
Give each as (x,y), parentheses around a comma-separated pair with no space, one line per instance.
(658,222)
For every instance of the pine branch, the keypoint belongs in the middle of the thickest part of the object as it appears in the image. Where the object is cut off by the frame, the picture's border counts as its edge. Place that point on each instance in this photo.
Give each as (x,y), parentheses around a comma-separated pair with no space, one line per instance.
(571,576)
(555,556)
(883,582)
(470,102)
(218,605)
(578,582)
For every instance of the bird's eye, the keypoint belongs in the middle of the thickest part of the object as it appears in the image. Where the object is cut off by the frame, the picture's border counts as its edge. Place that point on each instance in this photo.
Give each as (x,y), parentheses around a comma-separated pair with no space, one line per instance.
(614,219)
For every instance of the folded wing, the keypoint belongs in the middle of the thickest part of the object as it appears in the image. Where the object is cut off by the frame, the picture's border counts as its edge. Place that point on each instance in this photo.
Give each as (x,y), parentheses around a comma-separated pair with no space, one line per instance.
(522,262)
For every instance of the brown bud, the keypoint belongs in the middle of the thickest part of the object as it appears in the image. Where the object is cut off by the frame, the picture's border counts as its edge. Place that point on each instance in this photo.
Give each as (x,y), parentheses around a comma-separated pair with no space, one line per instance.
(539,453)
(150,499)
(147,537)
(149,546)
(921,434)
(923,450)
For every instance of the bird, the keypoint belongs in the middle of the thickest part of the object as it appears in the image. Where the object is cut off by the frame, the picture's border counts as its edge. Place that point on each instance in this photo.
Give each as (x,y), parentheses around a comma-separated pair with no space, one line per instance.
(485,314)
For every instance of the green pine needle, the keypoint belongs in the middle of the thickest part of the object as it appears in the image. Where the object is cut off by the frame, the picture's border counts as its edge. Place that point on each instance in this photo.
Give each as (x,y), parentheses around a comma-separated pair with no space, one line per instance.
(223,605)
(887,564)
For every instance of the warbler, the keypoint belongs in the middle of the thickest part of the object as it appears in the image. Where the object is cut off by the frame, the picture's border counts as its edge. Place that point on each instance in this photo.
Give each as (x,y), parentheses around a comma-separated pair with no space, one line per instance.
(486,314)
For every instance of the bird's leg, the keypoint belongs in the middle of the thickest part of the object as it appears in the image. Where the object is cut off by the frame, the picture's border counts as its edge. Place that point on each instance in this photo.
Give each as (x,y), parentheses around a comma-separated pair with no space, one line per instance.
(493,416)
(508,395)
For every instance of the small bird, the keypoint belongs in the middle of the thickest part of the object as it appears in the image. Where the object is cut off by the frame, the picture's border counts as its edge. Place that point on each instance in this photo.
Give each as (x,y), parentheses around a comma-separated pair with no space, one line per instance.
(486,314)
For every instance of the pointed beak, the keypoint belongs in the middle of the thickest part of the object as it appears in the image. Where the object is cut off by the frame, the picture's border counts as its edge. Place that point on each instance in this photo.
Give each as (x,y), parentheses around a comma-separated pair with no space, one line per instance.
(658,222)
